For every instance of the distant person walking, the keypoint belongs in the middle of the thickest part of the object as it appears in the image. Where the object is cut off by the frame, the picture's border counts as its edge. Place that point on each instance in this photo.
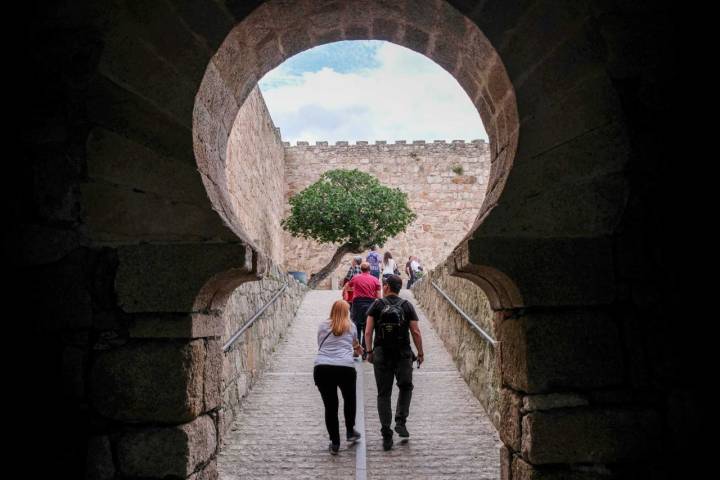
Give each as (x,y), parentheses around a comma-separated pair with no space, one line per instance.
(334,368)
(417,269)
(389,265)
(374,260)
(365,289)
(352,271)
(410,272)
(391,321)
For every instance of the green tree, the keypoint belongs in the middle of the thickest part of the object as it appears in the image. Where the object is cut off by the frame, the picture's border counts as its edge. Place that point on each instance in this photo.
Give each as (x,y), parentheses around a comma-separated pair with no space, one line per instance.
(350,208)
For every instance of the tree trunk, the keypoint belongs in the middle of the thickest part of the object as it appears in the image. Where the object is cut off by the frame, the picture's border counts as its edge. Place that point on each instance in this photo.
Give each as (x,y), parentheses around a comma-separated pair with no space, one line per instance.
(332,265)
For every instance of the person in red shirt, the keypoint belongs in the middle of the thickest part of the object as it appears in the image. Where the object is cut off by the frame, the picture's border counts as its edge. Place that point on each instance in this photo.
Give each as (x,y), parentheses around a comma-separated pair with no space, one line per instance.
(365,289)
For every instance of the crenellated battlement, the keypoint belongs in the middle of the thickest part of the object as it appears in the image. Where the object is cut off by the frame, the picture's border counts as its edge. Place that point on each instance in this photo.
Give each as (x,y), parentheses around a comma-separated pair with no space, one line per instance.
(383,143)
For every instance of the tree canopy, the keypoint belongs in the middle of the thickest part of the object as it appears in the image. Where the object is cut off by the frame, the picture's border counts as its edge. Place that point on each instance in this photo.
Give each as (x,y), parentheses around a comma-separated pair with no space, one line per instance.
(348,207)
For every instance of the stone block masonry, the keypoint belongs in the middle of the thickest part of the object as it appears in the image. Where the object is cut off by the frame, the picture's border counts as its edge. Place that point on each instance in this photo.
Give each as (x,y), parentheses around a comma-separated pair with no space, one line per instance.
(255,177)
(445,183)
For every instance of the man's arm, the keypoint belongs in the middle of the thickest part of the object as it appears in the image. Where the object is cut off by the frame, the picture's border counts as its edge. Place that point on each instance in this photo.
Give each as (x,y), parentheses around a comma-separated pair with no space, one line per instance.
(369,326)
(417,340)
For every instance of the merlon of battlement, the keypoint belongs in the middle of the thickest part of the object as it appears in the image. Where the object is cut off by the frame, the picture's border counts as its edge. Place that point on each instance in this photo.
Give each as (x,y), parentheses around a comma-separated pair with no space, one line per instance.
(400,143)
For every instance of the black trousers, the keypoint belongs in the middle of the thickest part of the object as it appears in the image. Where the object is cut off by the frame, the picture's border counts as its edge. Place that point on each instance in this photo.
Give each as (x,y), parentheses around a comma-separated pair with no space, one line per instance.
(360,306)
(388,366)
(328,378)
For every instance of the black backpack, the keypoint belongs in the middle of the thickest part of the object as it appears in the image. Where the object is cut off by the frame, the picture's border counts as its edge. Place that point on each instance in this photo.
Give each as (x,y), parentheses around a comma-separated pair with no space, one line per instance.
(392,328)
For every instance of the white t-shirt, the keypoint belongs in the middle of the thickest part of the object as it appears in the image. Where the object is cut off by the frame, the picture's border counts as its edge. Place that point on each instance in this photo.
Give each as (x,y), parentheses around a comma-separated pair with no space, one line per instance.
(415,266)
(335,350)
(390,267)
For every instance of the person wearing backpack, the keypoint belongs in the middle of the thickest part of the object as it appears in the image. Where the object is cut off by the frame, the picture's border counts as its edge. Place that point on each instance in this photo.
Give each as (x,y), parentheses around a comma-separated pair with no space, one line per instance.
(392,320)
(374,259)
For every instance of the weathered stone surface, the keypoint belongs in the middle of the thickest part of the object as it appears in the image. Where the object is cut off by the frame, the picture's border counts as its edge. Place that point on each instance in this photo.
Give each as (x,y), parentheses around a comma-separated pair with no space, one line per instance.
(117,214)
(552,400)
(255,177)
(196,325)
(446,207)
(212,376)
(150,382)
(474,357)
(551,271)
(590,435)
(544,352)
(159,452)
(505,463)
(120,161)
(208,472)
(131,115)
(149,75)
(510,418)
(522,470)
(168,278)
(249,357)
(99,465)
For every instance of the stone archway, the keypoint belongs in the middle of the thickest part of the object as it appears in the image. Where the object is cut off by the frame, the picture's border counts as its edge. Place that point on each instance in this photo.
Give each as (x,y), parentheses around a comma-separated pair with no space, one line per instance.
(565,231)
(530,250)
(273,33)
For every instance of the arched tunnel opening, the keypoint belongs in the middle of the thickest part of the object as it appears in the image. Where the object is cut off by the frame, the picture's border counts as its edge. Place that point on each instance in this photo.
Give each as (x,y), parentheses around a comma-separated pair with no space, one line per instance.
(130,258)
(445,183)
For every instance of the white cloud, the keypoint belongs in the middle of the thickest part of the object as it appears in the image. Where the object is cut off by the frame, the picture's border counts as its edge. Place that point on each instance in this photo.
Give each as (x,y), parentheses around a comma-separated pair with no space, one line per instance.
(408,97)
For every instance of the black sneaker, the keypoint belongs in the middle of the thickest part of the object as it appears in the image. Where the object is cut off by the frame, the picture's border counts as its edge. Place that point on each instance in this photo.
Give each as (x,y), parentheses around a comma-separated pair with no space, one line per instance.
(402,430)
(353,436)
(387,443)
(334,448)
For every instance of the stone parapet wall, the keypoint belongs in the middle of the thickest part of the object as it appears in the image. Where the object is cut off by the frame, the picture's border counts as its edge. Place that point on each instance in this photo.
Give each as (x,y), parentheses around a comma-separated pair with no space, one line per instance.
(445,183)
(475,358)
(249,356)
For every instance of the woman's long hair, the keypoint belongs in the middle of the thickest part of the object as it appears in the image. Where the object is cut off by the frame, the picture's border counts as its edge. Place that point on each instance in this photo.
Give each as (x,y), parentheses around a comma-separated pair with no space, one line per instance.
(340,318)
(388,256)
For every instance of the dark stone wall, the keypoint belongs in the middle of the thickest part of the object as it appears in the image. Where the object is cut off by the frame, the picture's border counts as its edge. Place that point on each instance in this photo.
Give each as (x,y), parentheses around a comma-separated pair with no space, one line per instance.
(592,225)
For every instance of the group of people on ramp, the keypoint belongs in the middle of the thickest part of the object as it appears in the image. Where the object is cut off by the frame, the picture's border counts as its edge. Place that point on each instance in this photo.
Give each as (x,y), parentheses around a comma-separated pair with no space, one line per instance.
(372,322)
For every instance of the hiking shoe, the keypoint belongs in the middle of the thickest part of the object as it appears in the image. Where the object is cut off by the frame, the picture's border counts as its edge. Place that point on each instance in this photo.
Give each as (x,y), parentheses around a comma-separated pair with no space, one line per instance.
(353,436)
(334,447)
(387,443)
(401,430)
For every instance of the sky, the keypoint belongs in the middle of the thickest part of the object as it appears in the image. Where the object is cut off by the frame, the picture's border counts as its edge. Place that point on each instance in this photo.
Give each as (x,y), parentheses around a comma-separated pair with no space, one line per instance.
(368,90)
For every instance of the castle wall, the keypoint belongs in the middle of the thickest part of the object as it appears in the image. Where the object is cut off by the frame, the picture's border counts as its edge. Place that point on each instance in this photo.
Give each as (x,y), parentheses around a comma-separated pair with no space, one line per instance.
(445,183)
(255,176)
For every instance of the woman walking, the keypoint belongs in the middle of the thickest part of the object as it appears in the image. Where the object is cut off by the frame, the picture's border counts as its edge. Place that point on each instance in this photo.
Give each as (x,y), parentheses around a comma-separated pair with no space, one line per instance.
(389,266)
(334,367)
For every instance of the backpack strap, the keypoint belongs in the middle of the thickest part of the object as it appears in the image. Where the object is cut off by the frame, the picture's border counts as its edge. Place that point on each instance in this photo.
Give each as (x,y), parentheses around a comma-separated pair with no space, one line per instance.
(323,340)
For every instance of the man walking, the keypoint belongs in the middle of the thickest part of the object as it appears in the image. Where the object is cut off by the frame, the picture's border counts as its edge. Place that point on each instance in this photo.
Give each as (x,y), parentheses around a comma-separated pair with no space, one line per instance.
(374,259)
(392,320)
(365,289)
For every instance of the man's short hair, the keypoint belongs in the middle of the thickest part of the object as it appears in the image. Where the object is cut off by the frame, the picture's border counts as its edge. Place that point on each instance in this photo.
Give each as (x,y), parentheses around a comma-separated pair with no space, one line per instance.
(358,259)
(364,267)
(394,282)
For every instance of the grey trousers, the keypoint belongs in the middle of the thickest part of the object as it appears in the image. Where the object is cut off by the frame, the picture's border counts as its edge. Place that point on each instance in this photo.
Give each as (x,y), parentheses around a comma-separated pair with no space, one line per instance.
(389,366)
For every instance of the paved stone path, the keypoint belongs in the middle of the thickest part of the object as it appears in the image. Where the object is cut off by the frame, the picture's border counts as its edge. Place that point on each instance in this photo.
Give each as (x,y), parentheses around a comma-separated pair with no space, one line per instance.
(280,432)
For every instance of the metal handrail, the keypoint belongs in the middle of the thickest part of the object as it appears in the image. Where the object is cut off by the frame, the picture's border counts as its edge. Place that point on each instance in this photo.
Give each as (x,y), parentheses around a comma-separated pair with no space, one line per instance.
(472,323)
(249,323)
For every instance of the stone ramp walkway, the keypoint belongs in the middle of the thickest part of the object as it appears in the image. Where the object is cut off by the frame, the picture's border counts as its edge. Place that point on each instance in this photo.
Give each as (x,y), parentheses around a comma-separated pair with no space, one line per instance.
(280,432)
